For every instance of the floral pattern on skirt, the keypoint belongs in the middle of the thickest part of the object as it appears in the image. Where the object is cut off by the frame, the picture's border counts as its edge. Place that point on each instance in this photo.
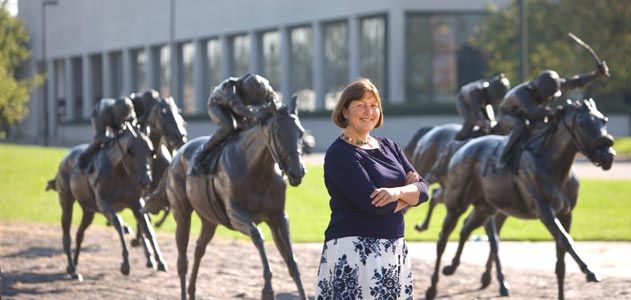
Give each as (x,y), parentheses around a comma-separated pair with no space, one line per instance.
(364,268)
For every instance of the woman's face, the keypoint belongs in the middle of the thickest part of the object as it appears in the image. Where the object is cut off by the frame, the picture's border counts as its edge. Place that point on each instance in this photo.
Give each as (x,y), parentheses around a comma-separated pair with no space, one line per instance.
(362,115)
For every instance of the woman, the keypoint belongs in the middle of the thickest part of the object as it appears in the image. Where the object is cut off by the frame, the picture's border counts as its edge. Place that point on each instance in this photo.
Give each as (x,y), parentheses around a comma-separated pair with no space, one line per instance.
(370,181)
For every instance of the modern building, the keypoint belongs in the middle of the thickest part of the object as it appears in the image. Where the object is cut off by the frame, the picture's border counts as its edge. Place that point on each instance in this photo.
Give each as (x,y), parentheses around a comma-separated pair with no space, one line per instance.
(417,53)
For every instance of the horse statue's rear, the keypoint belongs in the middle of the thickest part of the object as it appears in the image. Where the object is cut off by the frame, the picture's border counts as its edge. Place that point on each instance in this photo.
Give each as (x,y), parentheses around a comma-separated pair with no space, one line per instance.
(246,188)
(543,187)
(118,175)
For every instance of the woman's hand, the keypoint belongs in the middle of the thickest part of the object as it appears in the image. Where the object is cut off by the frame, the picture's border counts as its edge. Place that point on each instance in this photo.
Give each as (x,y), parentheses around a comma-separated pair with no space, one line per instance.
(383,196)
(412,177)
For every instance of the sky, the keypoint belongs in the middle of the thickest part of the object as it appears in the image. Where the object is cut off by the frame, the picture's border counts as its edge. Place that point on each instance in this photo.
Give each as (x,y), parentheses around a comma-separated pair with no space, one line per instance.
(12,5)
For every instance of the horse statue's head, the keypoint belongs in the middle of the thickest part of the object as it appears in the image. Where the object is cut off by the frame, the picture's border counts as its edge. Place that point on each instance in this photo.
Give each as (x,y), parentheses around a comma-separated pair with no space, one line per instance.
(588,128)
(166,120)
(283,133)
(135,152)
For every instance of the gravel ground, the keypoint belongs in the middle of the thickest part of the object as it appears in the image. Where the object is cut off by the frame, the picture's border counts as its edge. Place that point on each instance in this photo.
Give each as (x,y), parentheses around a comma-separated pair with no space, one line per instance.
(33,267)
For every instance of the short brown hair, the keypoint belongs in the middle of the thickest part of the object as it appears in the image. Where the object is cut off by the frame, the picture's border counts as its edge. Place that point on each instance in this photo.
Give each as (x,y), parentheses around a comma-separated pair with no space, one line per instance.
(353,92)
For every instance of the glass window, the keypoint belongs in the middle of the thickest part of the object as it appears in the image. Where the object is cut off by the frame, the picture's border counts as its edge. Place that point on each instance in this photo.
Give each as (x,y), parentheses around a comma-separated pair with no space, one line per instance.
(60,90)
(214,63)
(97,78)
(165,70)
(77,67)
(335,61)
(440,57)
(116,61)
(373,51)
(139,70)
(301,61)
(271,58)
(241,50)
(188,56)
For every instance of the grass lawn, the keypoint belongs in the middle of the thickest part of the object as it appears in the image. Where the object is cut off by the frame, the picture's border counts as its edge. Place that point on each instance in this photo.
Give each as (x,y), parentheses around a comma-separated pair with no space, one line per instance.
(602,212)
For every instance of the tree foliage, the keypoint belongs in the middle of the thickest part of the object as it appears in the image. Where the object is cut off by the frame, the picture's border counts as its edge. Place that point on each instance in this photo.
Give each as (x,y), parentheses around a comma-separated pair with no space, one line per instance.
(14,91)
(605,25)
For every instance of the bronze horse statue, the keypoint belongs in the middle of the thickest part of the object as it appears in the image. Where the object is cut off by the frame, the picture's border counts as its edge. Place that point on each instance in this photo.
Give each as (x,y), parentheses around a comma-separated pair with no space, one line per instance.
(543,187)
(430,151)
(246,188)
(117,176)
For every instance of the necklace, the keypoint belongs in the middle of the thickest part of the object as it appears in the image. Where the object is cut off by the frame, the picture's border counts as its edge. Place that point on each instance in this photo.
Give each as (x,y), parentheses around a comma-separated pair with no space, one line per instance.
(353,141)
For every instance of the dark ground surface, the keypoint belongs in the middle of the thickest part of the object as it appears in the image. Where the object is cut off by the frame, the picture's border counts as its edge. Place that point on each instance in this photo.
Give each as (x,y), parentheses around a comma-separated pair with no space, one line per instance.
(33,267)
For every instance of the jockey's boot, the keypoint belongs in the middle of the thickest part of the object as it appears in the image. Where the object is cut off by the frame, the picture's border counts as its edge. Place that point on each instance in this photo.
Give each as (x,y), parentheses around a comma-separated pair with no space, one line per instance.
(197,166)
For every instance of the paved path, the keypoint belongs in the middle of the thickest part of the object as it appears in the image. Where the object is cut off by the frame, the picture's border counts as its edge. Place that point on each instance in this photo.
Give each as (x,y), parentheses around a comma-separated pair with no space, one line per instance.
(621,169)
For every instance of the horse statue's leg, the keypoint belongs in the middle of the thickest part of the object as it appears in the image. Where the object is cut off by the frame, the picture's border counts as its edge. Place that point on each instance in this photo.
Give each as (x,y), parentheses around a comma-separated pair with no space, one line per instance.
(485,279)
(145,224)
(86,220)
(563,238)
(105,206)
(436,198)
(244,224)
(478,216)
(280,232)
(206,234)
(449,223)
(182,231)
(493,235)
(566,222)
(66,200)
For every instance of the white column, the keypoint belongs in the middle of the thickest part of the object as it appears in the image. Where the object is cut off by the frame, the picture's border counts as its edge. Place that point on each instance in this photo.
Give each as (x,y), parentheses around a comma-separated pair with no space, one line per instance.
(354,48)
(71,109)
(88,93)
(227,57)
(285,63)
(396,56)
(256,53)
(107,75)
(318,64)
(52,98)
(127,71)
(200,77)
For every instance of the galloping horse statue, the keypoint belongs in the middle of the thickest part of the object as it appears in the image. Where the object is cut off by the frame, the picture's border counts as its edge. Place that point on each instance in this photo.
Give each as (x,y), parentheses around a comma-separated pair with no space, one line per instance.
(118,175)
(543,187)
(430,151)
(246,188)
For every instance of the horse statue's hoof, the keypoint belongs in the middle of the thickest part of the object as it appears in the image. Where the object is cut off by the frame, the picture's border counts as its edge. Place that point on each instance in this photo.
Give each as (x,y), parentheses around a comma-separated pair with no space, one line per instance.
(430,294)
(504,289)
(420,227)
(592,277)
(162,267)
(268,295)
(135,243)
(77,276)
(151,263)
(450,270)
(485,280)
(125,268)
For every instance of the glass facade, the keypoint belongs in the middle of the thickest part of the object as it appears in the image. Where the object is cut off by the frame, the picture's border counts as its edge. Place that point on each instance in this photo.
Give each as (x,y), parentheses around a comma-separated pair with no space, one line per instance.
(335,61)
(97,79)
(139,70)
(213,47)
(77,80)
(301,62)
(271,58)
(241,48)
(116,67)
(188,88)
(440,57)
(373,52)
(60,90)
(165,71)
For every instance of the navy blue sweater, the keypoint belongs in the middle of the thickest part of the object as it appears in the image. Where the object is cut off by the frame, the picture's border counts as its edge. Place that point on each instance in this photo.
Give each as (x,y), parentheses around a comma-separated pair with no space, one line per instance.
(351,174)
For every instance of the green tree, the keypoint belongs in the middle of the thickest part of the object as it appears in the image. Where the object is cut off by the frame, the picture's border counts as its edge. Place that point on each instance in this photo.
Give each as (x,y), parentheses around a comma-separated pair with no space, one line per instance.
(14,90)
(605,25)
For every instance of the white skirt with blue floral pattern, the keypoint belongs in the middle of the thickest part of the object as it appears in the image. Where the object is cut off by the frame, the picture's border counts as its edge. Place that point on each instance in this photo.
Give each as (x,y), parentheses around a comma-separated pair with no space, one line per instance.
(364,268)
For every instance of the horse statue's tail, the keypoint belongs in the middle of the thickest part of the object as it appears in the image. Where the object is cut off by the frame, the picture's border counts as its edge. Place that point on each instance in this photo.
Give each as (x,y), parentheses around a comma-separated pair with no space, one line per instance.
(409,148)
(158,200)
(50,184)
